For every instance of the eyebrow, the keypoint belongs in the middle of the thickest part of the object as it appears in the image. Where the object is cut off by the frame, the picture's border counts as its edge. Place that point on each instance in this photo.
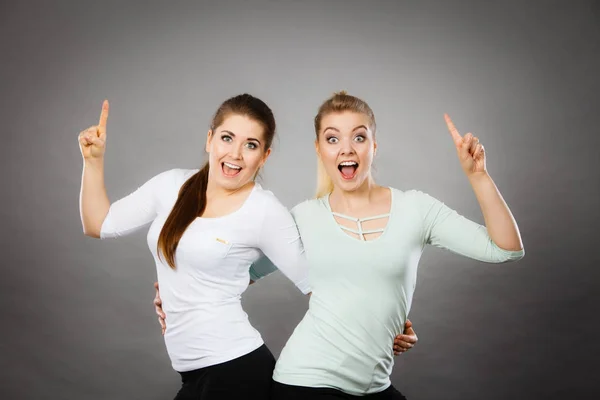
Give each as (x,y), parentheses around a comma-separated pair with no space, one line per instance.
(337,130)
(233,134)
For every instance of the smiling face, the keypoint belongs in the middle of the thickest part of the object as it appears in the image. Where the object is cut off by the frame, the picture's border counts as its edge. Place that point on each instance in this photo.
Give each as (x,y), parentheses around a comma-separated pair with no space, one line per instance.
(346,147)
(236,151)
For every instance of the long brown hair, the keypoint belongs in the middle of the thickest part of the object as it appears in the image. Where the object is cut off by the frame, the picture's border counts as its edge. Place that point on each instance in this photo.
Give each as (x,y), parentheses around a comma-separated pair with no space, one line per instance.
(339,102)
(191,201)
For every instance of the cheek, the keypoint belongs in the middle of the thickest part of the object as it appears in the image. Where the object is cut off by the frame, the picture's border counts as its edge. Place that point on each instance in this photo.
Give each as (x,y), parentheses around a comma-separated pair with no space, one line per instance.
(328,156)
(214,154)
(220,149)
(253,161)
(366,155)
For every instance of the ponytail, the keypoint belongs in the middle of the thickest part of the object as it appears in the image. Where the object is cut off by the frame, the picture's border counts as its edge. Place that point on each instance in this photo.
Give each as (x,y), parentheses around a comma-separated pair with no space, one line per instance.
(190,204)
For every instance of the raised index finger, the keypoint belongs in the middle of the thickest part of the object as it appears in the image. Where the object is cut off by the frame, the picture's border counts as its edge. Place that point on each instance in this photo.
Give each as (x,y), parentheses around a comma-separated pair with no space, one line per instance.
(104,114)
(453,131)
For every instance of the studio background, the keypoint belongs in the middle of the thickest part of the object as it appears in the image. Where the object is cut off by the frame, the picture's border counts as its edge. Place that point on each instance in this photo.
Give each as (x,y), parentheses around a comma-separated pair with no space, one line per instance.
(77,313)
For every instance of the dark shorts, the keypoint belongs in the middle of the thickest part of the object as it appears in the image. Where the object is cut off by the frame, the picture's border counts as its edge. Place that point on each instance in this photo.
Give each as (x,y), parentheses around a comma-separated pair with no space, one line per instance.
(246,377)
(281,391)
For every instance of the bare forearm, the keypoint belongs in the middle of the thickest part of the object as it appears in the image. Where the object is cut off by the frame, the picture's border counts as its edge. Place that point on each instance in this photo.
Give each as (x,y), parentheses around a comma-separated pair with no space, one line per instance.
(499,221)
(93,200)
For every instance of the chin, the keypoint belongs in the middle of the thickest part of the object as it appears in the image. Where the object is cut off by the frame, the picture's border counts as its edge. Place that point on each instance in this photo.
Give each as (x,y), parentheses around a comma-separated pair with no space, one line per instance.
(347,186)
(231,185)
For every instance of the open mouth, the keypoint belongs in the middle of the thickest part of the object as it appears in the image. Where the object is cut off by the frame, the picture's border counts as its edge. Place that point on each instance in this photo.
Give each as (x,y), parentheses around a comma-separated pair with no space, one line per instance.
(230,169)
(348,169)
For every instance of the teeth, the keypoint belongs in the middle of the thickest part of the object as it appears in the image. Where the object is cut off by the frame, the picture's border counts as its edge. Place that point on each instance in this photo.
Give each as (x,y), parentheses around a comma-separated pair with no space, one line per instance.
(348,163)
(232,166)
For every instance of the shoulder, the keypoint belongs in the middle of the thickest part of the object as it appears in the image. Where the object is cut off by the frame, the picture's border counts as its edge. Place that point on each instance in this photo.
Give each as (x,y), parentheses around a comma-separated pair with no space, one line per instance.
(413,196)
(264,197)
(175,176)
(307,207)
(180,175)
(263,203)
(165,186)
(413,199)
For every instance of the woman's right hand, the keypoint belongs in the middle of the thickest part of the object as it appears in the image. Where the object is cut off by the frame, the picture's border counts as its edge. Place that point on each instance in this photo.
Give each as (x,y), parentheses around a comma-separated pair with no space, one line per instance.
(92,141)
(159,310)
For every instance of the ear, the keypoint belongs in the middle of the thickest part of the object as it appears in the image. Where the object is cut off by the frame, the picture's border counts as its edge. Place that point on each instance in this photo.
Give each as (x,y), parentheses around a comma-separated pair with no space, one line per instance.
(267,154)
(317,147)
(374,147)
(209,137)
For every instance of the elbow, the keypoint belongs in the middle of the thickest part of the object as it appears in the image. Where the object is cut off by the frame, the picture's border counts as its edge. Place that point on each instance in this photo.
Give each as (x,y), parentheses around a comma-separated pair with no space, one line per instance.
(92,227)
(521,255)
(503,255)
(518,255)
(91,232)
(513,255)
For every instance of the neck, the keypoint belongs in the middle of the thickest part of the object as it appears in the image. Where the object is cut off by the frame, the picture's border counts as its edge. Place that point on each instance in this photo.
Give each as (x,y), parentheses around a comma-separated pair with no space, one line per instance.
(214,191)
(354,199)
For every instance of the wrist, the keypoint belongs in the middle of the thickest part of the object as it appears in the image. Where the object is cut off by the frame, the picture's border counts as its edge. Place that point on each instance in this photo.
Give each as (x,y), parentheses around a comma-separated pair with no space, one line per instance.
(96,164)
(476,178)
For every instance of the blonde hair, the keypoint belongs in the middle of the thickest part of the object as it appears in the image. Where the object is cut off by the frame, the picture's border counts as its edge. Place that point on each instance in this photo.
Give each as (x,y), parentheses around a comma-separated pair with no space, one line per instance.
(339,102)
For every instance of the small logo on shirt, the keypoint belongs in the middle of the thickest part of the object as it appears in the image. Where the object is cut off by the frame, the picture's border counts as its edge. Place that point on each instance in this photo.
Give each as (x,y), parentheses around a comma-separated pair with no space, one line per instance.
(222,241)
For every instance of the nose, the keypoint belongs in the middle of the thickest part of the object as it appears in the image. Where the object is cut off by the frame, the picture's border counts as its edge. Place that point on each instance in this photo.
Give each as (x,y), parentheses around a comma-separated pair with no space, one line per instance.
(347,148)
(236,152)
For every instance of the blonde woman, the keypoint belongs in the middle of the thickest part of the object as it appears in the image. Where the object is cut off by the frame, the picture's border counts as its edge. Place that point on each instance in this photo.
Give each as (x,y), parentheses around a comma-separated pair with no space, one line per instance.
(363,242)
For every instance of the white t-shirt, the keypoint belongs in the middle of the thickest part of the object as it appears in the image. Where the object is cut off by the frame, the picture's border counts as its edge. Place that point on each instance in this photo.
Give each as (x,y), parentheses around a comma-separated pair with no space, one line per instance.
(206,324)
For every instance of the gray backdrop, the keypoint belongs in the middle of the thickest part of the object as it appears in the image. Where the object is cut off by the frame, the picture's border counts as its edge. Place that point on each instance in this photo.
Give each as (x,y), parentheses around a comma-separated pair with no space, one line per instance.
(77,314)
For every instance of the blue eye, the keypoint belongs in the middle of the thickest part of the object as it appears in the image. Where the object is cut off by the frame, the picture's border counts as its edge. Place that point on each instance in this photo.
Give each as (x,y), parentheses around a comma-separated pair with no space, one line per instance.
(360,138)
(226,138)
(332,139)
(251,145)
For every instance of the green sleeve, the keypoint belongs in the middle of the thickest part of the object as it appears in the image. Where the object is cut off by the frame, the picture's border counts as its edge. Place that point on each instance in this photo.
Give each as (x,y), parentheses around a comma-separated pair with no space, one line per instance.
(443,227)
(261,268)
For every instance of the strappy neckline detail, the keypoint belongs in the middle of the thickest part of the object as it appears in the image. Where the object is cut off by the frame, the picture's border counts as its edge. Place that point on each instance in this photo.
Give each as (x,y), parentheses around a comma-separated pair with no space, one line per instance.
(360,232)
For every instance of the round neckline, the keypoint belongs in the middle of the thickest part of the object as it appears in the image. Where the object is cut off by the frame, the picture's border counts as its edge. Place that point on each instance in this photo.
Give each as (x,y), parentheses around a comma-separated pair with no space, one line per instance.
(235,212)
(325,200)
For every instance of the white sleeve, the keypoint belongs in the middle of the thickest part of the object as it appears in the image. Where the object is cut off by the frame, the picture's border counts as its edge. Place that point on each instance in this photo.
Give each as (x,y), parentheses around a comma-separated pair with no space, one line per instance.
(280,241)
(136,210)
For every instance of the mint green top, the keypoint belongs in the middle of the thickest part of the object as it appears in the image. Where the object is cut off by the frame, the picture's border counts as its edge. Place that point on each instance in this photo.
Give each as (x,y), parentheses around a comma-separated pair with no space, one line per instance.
(362,290)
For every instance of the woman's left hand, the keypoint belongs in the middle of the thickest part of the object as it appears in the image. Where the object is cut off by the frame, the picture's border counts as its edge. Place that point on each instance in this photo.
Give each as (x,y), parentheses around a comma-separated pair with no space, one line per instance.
(158,309)
(471,153)
(405,341)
